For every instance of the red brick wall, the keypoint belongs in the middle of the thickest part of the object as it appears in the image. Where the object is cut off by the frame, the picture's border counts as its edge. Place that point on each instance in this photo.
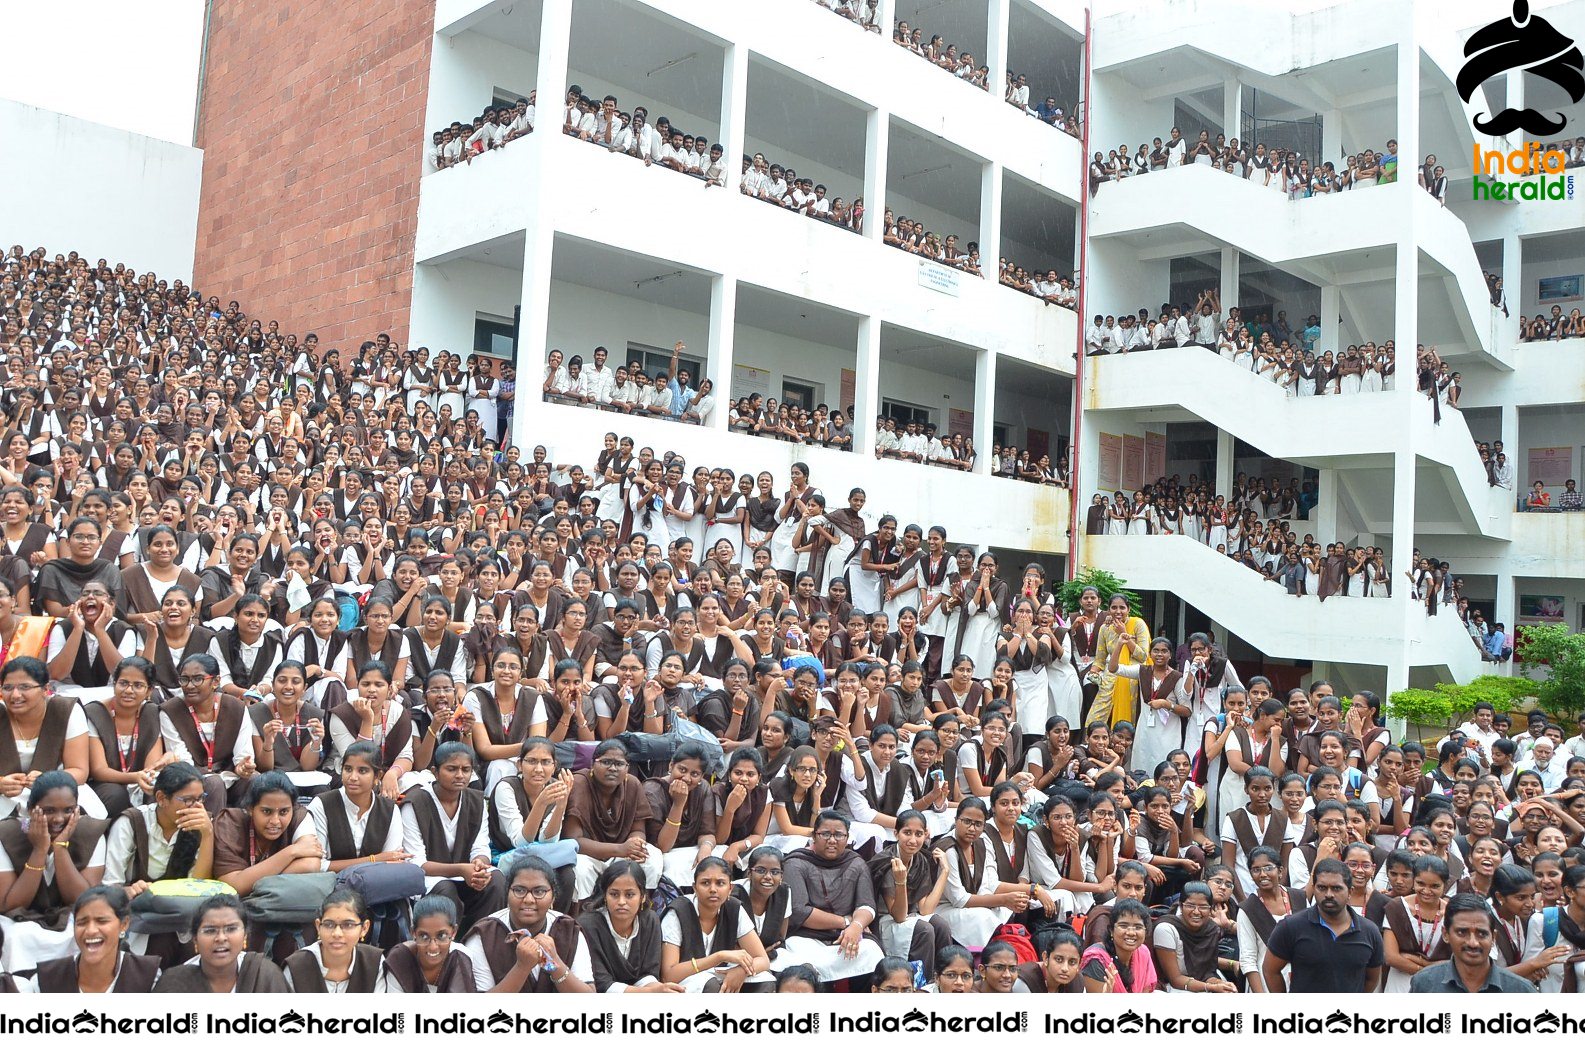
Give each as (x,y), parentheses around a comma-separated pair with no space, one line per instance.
(311,123)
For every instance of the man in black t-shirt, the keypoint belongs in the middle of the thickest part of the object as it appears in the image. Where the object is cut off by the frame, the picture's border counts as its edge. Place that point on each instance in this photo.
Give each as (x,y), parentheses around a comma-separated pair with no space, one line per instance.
(1331,949)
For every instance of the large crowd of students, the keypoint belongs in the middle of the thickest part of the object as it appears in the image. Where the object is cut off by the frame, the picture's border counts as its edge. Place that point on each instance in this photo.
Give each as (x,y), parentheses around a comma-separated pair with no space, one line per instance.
(311,683)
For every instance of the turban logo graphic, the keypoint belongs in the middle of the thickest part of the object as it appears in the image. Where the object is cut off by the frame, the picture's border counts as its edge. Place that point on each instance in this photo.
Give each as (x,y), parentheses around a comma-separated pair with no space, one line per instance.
(1531,44)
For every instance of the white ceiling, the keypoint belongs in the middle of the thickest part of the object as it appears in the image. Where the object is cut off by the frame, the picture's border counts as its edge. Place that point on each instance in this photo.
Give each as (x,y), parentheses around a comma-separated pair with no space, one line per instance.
(929,169)
(805,117)
(628,274)
(1044,49)
(917,350)
(799,318)
(627,45)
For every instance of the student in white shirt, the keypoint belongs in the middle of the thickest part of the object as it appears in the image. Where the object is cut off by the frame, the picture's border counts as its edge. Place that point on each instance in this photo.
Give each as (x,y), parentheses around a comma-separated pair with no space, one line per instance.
(625,394)
(1177,149)
(598,379)
(1095,337)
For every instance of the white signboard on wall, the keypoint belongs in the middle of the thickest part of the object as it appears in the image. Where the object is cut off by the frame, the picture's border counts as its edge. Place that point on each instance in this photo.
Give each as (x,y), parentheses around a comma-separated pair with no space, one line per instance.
(938,278)
(746,380)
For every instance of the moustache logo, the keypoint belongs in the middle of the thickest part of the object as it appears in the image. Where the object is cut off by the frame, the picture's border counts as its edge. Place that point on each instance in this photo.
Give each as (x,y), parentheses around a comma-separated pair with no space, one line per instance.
(1524,42)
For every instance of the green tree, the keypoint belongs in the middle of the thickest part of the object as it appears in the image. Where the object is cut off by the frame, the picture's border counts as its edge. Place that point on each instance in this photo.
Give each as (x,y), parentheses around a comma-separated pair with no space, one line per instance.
(1091,576)
(1561,654)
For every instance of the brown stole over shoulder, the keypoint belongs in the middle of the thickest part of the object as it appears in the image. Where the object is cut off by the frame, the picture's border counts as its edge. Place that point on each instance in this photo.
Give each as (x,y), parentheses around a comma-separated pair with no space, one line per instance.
(456,974)
(1402,927)
(47,908)
(397,733)
(470,815)
(499,950)
(308,978)
(51,739)
(1260,916)
(1244,831)
(134,973)
(229,718)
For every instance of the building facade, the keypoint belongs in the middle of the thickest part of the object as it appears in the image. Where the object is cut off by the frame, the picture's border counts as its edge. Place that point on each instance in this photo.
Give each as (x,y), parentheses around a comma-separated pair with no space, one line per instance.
(556,243)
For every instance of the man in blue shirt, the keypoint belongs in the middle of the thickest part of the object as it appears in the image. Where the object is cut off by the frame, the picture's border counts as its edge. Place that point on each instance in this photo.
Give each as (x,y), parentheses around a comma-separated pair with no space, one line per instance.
(681,393)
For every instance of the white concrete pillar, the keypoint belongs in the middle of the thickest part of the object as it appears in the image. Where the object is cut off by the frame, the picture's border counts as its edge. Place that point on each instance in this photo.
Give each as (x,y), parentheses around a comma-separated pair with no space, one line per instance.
(1504,613)
(984,409)
(1332,137)
(1323,517)
(1512,259)
(877,139)
(723,328)
(996,47)
(1228,289)
(1408,130)
(1225,443)
(550,80)
(867,386)
(734,112)
(1403,469)
(539,237)
(1331,319)
(886,17)
(1233,110)
(990,217)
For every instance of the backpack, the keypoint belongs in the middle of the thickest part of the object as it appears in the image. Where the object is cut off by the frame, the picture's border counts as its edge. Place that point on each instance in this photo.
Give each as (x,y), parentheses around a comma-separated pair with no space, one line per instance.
(168,905)
(351,611)
(1016,935)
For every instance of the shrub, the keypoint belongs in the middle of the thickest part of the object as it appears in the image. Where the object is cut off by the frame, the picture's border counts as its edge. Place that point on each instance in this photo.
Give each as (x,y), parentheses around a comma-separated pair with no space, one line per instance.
(1103,581)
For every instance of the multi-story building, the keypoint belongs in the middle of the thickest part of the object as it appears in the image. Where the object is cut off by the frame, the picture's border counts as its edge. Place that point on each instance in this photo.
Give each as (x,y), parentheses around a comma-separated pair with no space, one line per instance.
(1378,263)
(556,243)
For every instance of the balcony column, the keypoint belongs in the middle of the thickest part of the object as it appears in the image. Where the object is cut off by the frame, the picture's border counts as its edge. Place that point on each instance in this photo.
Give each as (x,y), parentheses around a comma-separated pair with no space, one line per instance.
(984,409)
(996,47)
(867,386)
(990,219)
(1507,328)
(886,17)
(550,81)
(1228,288)
(877,140)
(1505,604)
(1323,518)
(1403,468)
(1406,333)
(1332,138)
(734,108)
(1233,111)
(539,236)
(1331,318)
(723,328)
(1225,443)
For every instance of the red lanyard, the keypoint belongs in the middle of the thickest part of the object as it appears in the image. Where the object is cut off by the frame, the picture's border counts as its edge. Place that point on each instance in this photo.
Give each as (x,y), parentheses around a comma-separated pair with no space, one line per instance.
(131,753)
(207,745)
(1425,943)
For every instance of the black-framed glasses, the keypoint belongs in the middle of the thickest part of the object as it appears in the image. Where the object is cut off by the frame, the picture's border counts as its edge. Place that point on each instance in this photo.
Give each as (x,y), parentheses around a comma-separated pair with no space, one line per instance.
(539,893)
(760,872)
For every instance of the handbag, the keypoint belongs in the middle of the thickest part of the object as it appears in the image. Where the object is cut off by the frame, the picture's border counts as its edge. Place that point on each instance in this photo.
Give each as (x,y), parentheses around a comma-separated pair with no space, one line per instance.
(382,883)
(169,905)
(289,900)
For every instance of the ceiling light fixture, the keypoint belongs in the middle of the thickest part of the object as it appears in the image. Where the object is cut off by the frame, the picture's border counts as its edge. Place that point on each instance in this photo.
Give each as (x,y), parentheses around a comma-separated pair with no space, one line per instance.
(658,278)
(673,62)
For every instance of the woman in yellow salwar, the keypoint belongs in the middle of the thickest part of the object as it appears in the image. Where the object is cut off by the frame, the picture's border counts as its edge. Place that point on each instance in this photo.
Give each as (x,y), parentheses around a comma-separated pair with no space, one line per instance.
(1119,629)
